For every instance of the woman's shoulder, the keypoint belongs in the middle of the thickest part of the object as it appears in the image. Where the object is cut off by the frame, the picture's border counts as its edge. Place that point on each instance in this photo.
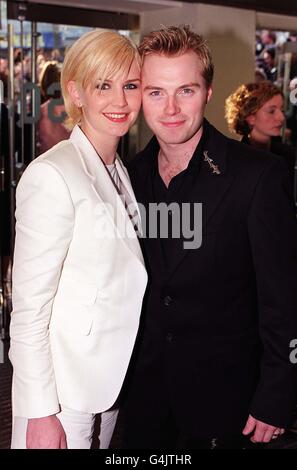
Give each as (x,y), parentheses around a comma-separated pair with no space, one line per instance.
(63,158)
(59,151)
(58,167)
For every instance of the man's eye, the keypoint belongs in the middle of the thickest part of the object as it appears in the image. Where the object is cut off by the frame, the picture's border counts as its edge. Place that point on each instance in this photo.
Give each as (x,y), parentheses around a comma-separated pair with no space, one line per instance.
(187,91)
(131,86)
(155,93)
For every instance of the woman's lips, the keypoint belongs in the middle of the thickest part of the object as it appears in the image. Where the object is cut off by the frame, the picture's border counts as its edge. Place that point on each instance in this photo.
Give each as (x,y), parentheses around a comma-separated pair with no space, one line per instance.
(116,117)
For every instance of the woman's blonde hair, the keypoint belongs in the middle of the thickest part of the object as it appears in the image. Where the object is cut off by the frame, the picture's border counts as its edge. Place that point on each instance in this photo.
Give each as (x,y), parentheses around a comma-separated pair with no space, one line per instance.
(94,57)
(245,101)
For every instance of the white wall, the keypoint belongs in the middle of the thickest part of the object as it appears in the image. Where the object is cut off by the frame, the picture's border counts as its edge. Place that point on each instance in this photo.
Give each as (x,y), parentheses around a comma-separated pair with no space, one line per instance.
(277,22)
(231,36)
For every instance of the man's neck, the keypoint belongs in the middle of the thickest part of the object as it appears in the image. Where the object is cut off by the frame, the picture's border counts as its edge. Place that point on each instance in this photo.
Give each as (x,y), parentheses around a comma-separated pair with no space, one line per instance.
(175,158)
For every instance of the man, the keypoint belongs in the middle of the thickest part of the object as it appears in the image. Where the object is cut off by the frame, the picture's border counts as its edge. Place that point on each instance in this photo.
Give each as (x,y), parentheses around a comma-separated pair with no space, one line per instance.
(212,364)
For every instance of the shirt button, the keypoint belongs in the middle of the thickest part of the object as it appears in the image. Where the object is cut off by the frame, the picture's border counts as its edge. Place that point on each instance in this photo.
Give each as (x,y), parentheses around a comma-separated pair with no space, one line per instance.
(169,337)
(167,300)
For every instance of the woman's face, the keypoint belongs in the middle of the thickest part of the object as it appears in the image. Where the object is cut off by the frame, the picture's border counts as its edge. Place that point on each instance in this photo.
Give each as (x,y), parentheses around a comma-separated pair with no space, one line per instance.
(111,108)
(269,119)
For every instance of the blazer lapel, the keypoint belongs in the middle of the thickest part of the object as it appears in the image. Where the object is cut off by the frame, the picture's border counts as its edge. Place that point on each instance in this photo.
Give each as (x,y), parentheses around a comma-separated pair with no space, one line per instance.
(143,186)
(106,192)
(212,182)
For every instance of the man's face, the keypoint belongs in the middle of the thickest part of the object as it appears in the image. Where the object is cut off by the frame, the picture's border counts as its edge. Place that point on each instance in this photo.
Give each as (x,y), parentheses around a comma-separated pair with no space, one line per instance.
(174,96)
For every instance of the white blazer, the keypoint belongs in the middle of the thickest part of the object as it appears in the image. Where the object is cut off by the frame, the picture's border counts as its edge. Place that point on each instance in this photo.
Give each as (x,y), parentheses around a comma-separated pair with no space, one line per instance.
(78,283)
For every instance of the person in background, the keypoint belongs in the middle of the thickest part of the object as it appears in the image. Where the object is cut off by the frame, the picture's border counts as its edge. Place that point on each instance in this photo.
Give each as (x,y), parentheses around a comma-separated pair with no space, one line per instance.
(78,271)
(269,57)
(255,111)
(268,38)
(260,74)
(292,113)
(51,129)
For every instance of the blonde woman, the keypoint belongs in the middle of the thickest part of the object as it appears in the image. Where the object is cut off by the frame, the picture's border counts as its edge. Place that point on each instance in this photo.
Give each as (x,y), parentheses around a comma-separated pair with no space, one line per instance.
(79,275)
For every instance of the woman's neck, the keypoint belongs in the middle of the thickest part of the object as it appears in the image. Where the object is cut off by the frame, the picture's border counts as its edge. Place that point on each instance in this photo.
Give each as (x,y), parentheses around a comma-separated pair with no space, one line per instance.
(260,141)
(105,146)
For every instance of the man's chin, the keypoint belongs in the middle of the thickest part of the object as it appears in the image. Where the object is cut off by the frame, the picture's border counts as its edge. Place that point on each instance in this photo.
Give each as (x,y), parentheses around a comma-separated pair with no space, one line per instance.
(173,139)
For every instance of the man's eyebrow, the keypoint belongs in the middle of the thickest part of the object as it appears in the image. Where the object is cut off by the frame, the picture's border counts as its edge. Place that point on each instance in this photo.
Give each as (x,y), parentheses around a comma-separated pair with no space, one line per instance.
(186,85)
(151,87)
(189,85)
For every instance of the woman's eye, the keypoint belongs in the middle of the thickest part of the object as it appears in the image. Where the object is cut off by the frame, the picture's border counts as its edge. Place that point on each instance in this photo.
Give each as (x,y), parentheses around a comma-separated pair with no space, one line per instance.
(102,86)
(131,86)
(105,86)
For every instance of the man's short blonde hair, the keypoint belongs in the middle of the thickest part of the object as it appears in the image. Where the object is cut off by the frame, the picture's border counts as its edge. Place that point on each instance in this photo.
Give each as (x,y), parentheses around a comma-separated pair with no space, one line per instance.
(173,41)
(95,56)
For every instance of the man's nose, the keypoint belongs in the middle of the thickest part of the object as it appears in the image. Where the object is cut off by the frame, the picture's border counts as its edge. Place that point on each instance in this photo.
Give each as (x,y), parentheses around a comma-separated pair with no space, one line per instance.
(172,106)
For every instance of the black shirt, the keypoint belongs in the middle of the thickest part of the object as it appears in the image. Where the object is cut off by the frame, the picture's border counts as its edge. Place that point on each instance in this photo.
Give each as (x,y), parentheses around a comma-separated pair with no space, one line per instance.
(178,192)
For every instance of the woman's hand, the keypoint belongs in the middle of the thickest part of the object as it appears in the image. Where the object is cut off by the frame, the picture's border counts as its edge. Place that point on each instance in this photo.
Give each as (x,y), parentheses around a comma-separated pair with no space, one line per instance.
(45,433)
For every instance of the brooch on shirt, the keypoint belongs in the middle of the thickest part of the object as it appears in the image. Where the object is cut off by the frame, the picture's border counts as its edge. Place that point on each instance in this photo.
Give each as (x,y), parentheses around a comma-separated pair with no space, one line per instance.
(215,168)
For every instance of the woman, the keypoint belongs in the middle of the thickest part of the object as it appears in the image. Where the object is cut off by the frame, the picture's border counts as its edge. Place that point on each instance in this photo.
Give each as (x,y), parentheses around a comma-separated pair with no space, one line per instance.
(50,129)
(255,111)
(78,276)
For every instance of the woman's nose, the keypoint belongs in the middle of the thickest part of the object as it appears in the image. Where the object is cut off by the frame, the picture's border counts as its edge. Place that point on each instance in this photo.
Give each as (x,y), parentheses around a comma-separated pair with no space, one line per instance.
(119,98)
(281,116)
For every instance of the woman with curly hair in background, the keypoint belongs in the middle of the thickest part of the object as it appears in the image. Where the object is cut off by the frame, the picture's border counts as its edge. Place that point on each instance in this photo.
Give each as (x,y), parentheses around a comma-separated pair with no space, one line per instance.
(255,111)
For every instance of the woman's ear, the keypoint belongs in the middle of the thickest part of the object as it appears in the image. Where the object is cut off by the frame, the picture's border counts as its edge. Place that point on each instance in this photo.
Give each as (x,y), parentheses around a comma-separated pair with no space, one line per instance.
(74,93)
(251,120)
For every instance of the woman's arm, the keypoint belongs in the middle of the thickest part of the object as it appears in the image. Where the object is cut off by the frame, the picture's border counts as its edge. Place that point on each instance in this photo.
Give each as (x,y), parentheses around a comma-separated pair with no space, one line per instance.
(44,224)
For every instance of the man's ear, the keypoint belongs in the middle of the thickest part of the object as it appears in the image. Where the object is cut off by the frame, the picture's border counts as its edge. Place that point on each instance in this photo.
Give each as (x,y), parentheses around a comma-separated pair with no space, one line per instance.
(209,94)
(74,93)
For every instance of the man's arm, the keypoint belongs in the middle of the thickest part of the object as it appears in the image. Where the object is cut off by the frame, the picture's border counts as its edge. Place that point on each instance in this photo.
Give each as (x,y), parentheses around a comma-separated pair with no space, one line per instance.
(273,239)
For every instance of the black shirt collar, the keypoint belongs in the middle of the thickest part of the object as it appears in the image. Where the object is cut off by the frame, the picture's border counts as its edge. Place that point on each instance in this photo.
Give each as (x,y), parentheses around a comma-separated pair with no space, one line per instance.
(195,161)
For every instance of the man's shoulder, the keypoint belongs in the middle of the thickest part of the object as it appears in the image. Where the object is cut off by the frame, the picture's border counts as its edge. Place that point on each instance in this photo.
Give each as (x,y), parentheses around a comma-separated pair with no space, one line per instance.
(238,154)
(244,157)
(144,158)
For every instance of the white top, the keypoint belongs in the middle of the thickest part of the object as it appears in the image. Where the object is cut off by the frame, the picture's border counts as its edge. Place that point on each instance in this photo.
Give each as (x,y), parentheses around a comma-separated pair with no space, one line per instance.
(123,192)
